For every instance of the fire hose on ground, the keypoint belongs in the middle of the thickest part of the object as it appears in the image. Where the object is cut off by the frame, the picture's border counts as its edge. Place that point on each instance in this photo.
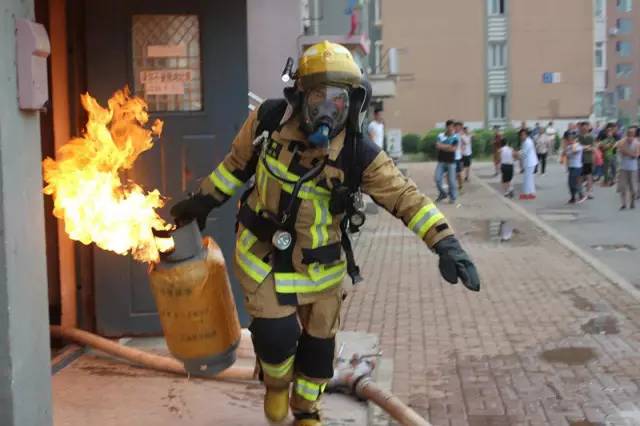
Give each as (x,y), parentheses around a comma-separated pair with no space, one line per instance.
(351,376)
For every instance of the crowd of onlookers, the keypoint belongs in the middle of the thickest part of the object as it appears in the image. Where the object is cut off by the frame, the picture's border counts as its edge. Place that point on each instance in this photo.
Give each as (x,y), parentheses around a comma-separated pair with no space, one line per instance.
(607,154)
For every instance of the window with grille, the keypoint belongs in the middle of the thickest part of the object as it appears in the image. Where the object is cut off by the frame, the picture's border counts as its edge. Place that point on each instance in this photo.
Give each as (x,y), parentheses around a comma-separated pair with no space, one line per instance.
(497,55)
(497,107)
(599,8)
(166,61)
(623,48)
(623,92)
(496,7)
(599,55)
(624,5)
(624,70)
(624,25)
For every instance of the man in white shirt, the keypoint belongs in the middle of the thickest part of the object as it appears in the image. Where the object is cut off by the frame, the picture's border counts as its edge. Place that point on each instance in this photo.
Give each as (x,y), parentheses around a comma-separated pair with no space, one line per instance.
(376,128)
(467,151)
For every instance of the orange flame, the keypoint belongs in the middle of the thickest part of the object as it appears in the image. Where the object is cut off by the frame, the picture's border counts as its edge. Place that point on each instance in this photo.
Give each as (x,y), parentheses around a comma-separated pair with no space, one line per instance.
(88,192)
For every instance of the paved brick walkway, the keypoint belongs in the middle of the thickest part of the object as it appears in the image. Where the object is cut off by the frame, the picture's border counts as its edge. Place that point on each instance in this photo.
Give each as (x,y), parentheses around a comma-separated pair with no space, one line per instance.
(547,341)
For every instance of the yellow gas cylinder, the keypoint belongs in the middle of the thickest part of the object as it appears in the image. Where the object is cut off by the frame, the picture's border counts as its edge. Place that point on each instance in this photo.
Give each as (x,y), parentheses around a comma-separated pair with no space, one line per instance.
(195,303)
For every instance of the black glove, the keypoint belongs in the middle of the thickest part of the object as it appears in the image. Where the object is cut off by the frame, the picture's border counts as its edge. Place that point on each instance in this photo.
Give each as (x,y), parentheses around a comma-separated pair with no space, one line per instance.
(455,263)
(197,206)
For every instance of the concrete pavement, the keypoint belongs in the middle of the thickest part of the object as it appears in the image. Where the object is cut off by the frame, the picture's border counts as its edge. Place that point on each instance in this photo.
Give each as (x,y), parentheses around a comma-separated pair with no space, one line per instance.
(98,390)
(547,341)
(597,226)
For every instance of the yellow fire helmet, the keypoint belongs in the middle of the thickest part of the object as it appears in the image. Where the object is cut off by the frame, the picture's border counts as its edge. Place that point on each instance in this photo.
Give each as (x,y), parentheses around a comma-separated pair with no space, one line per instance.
(327,63)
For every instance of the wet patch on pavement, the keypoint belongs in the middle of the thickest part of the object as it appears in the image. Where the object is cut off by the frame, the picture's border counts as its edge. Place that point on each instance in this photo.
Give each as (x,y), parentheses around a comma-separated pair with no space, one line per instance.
(580,302)
(584,423)
(624,248)
(558,215)
(489,420)
(498,232)
(601,325)
(569,356)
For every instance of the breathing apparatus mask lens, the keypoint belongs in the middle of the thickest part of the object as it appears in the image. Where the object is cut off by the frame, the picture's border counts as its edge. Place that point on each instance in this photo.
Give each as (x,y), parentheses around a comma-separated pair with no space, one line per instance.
(325,113)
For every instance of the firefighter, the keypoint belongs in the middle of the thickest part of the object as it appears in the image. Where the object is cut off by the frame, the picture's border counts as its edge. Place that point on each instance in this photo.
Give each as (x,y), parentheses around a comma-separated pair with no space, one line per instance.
(305,160)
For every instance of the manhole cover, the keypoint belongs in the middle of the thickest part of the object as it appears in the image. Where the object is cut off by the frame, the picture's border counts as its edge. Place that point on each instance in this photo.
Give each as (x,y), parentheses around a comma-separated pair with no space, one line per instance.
(613,247)
(558,215)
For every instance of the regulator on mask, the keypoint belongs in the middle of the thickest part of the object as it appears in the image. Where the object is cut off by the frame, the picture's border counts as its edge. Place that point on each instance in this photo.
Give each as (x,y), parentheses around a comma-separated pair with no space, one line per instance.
(325,110)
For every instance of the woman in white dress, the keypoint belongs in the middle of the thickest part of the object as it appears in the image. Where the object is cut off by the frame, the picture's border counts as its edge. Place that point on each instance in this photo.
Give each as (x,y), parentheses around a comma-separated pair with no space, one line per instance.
(529,159)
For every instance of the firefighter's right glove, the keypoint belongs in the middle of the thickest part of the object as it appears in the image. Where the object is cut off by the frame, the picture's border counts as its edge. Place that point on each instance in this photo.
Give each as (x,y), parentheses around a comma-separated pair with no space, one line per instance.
(196,207)
(456,264)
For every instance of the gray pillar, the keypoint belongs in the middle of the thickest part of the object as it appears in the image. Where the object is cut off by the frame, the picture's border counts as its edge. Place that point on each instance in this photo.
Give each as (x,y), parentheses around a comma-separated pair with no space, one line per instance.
(25,375)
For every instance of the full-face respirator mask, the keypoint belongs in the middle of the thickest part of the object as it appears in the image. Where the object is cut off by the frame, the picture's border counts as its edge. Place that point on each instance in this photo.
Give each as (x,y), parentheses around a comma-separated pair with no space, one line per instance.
(325,110)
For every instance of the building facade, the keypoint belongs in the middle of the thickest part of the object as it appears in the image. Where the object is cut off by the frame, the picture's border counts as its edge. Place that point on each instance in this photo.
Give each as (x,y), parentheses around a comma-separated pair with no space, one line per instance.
(623,60)
(491,62)
(600,56)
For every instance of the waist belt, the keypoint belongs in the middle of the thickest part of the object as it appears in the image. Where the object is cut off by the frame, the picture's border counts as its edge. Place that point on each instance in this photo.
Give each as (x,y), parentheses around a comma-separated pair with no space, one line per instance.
(264,229)
(259,226)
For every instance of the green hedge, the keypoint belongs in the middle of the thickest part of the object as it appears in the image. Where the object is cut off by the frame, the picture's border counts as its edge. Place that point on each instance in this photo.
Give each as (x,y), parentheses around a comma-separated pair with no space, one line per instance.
(428,143)
(410,143)
(482,142)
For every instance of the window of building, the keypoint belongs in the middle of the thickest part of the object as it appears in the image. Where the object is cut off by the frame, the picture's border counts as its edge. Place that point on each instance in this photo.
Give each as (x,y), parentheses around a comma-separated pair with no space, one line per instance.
(624,25)
(496,7)
(599,8)
(497,107)
(624,70)
(497,55)
(377,56)
(599,53)
(624,5)
(598,105)
(377,13)
(623,92)
(166,61)
(623,48)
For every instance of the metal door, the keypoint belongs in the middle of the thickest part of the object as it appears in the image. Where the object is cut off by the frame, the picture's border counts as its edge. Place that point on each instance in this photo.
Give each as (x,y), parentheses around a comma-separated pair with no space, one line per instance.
(148,45)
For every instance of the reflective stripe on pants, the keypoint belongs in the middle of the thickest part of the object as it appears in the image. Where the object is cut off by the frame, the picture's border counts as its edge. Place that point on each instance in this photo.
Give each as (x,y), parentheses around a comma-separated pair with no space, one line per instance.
(309,390)
(248,262)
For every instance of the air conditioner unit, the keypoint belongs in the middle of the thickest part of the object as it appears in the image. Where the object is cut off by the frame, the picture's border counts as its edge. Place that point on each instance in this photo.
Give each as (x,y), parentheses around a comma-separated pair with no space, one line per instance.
(613,31)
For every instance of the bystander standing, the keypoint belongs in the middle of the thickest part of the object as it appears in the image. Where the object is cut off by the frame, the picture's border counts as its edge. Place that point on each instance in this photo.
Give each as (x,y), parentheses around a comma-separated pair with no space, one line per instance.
(544,144)
(506,168)
(446,152)
(467,152)
(573,153)
(529,160)
(629,151)
(376,128)
(586,140)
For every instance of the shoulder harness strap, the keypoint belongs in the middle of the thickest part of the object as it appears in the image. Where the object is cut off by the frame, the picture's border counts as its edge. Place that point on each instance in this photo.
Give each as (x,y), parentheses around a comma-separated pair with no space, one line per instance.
(270,115)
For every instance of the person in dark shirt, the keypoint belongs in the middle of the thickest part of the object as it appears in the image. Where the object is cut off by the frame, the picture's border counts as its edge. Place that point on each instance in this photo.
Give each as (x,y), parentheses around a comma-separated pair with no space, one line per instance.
(588,145)
(446,147)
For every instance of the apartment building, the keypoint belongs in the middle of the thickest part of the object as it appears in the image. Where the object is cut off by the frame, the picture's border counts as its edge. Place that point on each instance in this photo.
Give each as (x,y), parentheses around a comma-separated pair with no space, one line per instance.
(623,60)
(491,62)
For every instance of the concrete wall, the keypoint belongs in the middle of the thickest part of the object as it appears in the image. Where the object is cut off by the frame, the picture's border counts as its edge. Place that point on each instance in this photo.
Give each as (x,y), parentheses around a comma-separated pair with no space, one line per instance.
(25,385)
(542,39)
(272,29)
(446,60)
